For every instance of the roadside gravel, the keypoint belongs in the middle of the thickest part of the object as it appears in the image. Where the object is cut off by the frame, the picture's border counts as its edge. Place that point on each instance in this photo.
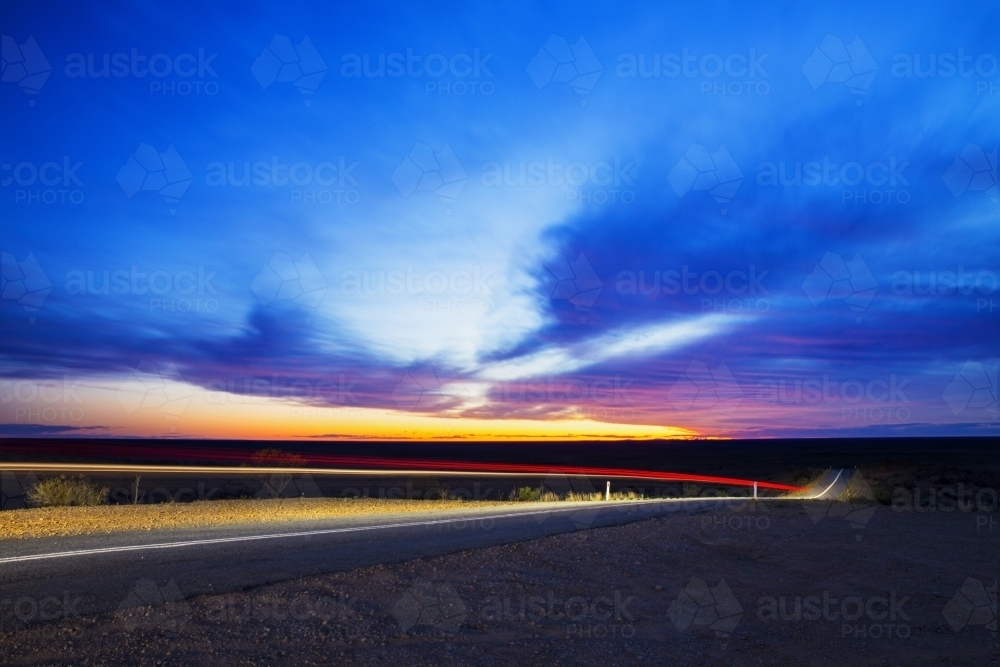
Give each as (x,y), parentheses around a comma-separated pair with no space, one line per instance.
(728,587)
(52,521)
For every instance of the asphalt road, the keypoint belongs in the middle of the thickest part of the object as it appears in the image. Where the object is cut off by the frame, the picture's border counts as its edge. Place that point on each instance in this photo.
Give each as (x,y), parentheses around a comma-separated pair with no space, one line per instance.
(96,573)
(41,579)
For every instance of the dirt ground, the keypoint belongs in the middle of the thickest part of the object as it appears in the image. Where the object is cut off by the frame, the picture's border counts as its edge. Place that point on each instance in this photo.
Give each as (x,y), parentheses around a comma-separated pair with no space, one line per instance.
(50,521)
(747,585)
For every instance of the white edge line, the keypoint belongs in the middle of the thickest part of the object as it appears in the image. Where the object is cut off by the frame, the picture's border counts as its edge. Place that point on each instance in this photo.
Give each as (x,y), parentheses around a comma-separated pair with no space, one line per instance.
(331,531)
(823,492)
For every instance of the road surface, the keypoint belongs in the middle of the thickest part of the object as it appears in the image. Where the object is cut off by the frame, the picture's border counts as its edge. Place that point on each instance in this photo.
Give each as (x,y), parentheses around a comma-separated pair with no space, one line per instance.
(96,573)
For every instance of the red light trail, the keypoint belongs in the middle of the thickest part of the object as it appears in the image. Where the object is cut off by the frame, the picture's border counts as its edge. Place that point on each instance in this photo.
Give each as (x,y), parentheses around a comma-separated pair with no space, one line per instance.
(351,465)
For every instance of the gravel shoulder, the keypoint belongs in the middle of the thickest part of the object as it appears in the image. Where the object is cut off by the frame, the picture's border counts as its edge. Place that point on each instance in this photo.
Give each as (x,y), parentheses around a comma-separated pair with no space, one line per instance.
(740,585)
(106,519)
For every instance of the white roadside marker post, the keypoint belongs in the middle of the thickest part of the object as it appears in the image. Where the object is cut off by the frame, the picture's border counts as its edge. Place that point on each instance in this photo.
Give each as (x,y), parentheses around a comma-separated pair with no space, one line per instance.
(755,490)
(607,491)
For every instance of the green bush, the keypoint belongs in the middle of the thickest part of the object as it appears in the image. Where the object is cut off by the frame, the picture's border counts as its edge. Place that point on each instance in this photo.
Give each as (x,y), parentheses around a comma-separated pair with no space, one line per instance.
(64,491)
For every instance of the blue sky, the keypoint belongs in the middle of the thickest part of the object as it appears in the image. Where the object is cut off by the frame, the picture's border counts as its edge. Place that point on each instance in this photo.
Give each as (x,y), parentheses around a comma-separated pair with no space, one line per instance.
(715,209)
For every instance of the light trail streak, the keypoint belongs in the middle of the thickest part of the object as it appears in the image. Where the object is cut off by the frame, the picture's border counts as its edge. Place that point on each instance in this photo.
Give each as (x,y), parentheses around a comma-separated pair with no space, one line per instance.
(429,468)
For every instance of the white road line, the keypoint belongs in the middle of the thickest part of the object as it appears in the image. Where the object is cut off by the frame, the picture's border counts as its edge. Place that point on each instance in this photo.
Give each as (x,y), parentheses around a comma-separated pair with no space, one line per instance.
(308,533)
(357,529)
(823,492)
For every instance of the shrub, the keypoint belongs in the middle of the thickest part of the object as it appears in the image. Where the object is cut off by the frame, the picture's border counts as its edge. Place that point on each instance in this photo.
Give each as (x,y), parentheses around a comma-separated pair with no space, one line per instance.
(526,494)
(275,483)
(65,491)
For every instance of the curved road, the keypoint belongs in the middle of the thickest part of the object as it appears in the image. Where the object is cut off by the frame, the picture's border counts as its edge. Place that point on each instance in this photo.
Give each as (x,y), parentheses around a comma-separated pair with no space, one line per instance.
(96,573)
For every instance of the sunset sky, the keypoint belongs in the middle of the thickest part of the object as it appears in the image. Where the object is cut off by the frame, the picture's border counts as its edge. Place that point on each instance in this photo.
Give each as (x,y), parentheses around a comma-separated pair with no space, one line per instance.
(372,223)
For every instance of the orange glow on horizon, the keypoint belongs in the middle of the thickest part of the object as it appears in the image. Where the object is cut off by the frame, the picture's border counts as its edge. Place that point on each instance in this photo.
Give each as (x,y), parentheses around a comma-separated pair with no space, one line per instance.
(186,411)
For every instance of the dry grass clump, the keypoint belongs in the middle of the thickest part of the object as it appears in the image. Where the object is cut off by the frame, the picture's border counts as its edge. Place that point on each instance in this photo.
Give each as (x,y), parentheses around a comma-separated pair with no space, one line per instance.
(66,491)
(575,497)
(528,494)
